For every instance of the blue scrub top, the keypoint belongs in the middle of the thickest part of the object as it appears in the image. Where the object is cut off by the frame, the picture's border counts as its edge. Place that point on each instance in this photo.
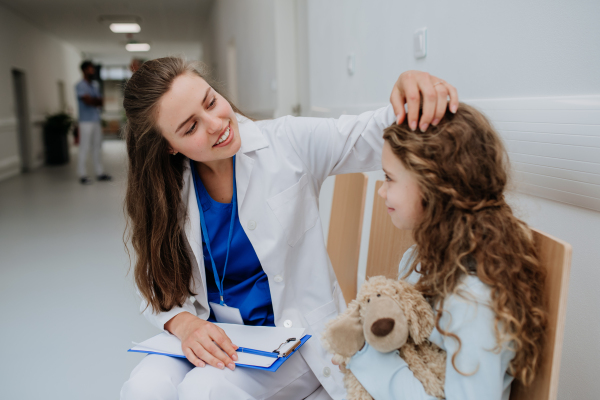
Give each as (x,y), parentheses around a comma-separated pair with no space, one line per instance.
(246,285)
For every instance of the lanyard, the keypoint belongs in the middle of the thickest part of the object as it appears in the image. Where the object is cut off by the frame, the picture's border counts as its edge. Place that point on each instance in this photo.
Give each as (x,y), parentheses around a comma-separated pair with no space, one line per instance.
(205,231)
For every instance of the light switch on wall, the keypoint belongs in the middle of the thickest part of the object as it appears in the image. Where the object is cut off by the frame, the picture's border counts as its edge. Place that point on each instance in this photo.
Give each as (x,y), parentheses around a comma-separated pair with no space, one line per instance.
(351,64)
(420,43)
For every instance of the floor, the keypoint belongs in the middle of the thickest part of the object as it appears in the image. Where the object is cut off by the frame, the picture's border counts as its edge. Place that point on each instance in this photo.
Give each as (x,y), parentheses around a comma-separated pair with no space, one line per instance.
(69,308)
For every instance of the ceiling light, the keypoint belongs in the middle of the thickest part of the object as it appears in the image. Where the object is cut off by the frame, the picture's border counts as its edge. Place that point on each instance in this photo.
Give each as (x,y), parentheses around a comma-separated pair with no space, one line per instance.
(125,28)
(137,47)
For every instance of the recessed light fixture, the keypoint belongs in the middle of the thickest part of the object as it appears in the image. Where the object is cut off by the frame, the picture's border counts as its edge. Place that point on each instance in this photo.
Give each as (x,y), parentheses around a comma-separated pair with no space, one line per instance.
(125,27)
(137,47)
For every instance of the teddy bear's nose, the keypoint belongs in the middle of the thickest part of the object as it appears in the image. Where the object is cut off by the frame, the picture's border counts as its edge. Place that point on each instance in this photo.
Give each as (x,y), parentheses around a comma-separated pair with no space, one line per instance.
(382,326)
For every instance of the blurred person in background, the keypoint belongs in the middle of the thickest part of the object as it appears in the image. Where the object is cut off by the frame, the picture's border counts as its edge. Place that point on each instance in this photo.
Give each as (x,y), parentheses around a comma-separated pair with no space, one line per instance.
(135,64)
(89,100)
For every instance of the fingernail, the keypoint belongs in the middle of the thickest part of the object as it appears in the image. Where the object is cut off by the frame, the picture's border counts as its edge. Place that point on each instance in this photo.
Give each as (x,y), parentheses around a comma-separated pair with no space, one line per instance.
(234,357)
(201,365)
(424,127)
(453,108)
(231,366)
(398,120)
(413,125)
(435,121)
(220,365)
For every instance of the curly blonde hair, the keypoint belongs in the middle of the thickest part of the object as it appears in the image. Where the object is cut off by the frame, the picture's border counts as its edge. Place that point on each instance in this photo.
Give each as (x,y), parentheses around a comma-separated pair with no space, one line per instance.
(469,229)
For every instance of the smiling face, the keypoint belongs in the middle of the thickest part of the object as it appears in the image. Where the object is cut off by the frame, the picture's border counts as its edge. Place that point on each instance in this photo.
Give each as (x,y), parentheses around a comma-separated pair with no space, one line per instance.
(400,191)
(197,121)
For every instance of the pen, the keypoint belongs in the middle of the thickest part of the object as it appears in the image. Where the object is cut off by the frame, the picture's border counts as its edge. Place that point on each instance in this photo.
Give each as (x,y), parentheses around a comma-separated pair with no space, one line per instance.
(257,352)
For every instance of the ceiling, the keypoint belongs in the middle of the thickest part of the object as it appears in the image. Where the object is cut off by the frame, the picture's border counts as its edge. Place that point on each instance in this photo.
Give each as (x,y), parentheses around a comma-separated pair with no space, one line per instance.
(172,27)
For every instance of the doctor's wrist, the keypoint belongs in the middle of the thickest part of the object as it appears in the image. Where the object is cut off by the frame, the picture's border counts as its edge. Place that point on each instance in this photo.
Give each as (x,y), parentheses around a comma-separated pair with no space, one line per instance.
(177,325)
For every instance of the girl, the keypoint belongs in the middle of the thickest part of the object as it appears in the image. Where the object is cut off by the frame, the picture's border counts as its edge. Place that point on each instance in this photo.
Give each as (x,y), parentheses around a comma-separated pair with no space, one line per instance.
(473,259)
(223,211)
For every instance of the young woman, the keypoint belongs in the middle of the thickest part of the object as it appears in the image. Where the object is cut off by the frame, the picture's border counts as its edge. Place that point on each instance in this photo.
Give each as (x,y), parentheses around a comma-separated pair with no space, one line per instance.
(473,259)
(224,211)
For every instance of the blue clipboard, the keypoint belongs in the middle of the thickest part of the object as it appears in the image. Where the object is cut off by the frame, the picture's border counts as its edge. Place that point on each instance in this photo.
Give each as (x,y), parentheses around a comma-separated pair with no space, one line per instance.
(274,367)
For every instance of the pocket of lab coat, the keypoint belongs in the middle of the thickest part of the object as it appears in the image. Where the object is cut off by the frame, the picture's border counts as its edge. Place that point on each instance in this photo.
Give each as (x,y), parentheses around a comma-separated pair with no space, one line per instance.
(318,317)
(296,210)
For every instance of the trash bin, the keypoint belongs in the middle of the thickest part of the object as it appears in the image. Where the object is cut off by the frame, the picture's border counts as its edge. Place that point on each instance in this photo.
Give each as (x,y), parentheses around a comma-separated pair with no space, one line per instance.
(56,145)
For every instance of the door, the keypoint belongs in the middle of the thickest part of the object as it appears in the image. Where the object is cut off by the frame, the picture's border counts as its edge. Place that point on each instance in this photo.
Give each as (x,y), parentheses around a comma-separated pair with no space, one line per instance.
(232,76)
(22,115)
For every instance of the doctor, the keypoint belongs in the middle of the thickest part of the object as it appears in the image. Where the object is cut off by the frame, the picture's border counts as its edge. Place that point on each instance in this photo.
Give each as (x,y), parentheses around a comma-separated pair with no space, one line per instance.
(223,217)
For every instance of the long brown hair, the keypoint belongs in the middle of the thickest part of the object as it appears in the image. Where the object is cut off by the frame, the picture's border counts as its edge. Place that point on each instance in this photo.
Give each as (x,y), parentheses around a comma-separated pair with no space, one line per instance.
(468,228)
(153,203)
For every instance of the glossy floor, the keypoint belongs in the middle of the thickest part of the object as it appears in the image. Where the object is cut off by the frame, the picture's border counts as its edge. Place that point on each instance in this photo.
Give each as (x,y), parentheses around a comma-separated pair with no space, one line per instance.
(69,308)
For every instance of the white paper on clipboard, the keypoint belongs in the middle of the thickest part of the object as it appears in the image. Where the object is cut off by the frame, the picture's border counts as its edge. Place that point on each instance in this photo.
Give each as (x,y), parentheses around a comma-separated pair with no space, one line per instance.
(169,345)
(262,338)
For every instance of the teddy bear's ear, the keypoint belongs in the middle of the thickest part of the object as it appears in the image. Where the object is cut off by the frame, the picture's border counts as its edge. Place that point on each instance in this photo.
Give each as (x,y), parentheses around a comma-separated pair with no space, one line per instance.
(417,311)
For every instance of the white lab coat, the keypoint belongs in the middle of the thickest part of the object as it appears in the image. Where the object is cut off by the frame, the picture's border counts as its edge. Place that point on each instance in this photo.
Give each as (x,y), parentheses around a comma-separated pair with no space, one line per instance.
(280,168)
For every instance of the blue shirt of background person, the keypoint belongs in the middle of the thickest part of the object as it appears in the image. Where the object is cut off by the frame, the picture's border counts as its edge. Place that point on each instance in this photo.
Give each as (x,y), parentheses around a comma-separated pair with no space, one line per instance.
(246,285)
(87,113)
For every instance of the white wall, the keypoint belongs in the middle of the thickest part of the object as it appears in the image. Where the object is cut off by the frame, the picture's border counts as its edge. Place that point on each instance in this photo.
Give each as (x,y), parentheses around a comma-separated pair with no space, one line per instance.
(263,33)
(45,60)
(487,50)
(250,26)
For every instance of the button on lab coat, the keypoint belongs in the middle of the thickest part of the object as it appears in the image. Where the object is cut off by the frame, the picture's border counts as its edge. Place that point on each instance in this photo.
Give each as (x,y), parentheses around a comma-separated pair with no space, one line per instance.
(280,168)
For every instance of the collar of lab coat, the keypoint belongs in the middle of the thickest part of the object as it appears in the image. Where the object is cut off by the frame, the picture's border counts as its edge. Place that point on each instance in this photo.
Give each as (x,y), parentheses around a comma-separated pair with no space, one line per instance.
(252,140)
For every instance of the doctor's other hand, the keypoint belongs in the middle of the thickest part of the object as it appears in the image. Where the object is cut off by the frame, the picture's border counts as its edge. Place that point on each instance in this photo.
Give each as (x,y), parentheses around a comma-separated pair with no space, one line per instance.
(409,88)
(203,342)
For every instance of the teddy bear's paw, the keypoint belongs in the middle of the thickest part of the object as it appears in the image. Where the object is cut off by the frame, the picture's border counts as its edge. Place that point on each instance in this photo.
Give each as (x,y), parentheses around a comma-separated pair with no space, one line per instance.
(340,360)
(344,336)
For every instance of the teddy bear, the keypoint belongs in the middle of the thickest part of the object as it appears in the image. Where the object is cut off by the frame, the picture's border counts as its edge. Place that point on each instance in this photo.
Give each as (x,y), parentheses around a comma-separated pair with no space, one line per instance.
(389,315)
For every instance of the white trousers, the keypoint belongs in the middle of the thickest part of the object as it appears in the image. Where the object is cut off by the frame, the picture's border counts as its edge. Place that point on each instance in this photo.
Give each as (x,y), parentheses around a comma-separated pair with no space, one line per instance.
(159,377)
(90,136)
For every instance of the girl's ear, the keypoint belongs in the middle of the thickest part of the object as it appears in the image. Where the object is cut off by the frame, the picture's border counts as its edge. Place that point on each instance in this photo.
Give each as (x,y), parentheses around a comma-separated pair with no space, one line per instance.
(418,312)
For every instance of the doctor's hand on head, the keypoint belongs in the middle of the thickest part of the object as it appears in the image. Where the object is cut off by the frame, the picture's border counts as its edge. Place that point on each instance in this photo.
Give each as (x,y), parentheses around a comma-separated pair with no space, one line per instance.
(410,87)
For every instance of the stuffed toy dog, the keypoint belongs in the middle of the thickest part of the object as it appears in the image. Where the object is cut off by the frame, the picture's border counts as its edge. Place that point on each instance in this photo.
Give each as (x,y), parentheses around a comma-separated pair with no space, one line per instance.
(389,315)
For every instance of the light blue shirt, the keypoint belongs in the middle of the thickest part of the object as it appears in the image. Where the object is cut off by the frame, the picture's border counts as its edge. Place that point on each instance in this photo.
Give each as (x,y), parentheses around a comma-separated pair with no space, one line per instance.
(466,314)
(87,113)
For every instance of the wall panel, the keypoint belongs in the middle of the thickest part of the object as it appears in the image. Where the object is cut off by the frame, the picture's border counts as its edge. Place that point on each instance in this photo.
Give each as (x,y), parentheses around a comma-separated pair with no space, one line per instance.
(553,144)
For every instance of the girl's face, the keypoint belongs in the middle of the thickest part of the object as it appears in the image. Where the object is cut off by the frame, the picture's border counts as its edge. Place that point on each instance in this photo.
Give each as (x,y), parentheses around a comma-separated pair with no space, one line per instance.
(197,121)
(400,191)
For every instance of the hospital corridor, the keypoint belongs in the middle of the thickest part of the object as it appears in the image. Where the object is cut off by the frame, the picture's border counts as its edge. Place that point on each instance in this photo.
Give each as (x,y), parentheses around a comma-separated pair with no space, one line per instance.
(170,169)
(64,273)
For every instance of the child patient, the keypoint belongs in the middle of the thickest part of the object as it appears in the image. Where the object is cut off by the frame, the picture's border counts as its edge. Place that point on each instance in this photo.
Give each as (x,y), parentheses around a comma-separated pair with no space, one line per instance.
(473,260)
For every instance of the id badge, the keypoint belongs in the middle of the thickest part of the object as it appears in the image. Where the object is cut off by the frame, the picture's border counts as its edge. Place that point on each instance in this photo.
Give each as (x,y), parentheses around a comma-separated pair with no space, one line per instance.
(227,315)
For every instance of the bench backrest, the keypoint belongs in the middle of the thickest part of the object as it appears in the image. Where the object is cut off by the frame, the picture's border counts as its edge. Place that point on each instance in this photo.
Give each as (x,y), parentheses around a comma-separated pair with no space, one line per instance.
(345,229)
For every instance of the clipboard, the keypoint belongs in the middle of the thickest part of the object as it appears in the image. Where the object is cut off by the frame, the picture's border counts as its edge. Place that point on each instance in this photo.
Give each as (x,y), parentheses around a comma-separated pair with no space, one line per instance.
(272,360)
(280,359)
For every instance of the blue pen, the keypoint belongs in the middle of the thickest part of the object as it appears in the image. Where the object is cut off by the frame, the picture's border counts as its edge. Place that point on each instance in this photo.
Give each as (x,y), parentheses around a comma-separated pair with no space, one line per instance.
(258,352)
